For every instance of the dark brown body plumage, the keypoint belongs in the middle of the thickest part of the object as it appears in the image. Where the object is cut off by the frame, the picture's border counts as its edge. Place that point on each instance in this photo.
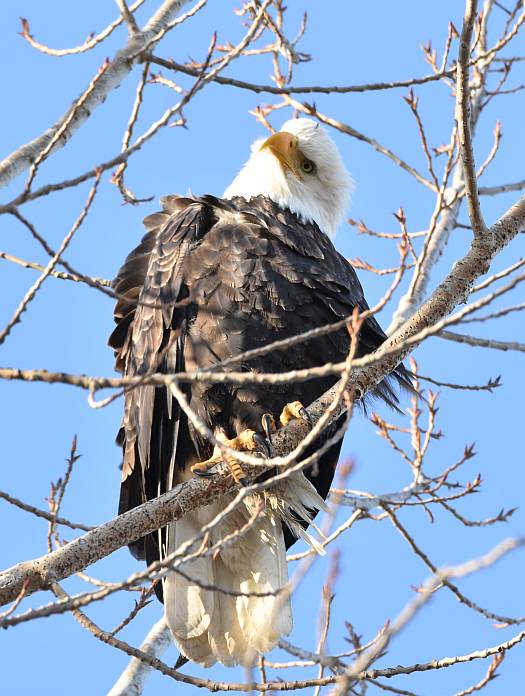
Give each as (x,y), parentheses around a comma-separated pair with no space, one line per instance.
(251,274)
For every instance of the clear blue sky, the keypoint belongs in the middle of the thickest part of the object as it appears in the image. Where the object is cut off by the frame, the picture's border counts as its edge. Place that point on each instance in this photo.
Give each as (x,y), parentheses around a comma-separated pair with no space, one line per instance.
(67,325)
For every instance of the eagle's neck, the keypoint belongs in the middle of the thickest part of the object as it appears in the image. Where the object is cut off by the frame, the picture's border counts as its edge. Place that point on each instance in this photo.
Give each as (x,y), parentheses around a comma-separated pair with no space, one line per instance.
(263,175)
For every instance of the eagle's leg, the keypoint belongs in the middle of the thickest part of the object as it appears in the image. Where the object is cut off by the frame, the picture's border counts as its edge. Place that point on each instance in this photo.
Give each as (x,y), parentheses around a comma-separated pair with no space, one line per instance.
(294,409)
(247,441)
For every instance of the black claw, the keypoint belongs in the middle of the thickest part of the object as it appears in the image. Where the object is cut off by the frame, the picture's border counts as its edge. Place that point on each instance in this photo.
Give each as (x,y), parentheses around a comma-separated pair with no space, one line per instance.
(204,474)
(306,417)
(264,446)
(267,422)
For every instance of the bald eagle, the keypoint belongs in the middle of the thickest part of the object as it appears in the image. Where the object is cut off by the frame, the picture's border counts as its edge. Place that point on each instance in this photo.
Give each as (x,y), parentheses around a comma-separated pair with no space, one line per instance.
(211,279)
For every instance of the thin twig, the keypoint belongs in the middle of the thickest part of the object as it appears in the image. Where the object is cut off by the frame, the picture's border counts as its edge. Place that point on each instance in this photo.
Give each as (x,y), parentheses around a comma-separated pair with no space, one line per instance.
(30,294)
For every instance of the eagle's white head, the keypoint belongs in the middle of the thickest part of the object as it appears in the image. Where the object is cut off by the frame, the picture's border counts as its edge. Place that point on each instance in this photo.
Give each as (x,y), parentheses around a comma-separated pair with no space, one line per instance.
(299,168)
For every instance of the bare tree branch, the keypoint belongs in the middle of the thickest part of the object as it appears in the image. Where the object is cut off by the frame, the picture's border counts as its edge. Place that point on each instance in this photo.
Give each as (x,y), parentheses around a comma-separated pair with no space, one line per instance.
(116,71)
(90,42)
(131,681)
(462,105)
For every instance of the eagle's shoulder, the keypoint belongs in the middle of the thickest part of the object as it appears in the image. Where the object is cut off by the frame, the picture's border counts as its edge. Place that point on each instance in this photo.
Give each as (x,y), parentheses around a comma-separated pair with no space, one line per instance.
(287,227)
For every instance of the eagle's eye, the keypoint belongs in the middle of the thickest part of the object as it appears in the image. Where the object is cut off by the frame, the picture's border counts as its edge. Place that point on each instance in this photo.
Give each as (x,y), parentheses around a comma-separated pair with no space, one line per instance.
(308,166)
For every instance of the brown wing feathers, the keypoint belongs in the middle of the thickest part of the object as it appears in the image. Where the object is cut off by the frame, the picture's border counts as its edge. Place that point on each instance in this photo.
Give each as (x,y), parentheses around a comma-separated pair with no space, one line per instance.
(148,326)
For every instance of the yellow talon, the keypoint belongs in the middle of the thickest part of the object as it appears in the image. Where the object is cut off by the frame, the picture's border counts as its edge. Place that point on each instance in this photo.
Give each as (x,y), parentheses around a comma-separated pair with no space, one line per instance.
(243,441)
(294,409)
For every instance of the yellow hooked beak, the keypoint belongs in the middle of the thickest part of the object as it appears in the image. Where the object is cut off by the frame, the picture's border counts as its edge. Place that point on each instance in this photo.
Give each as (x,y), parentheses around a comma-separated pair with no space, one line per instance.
(285,147)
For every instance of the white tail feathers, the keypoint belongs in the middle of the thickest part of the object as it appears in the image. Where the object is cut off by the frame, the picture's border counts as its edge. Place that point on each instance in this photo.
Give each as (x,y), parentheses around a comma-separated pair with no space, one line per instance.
(235,625)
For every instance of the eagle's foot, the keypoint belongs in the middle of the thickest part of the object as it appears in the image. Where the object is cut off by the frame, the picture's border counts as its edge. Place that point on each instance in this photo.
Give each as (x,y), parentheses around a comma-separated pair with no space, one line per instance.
(294,409)
(246,441)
